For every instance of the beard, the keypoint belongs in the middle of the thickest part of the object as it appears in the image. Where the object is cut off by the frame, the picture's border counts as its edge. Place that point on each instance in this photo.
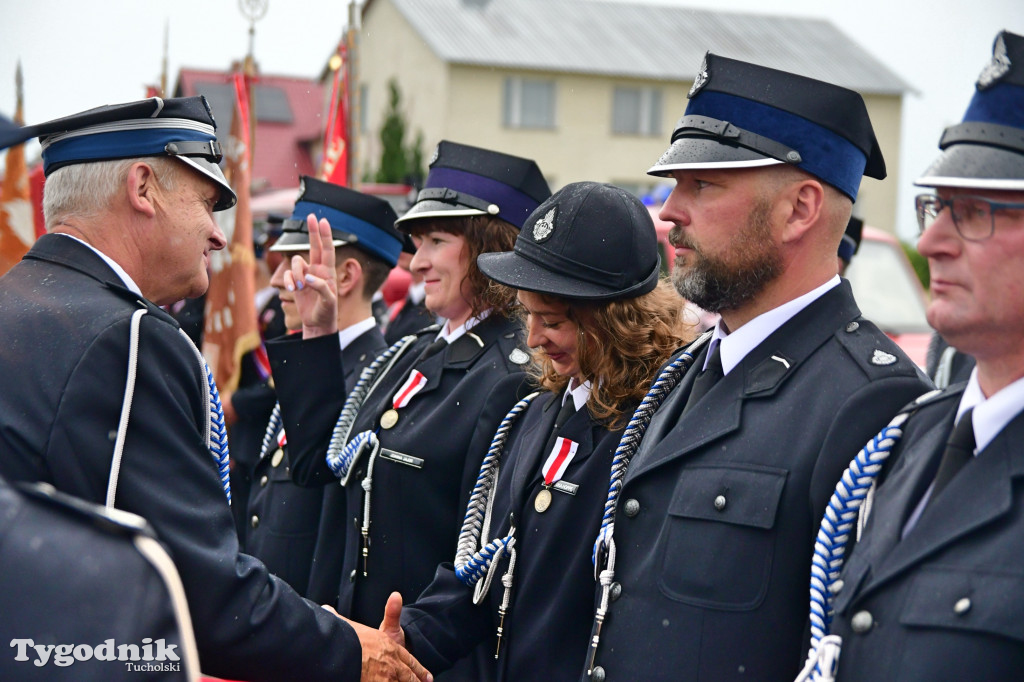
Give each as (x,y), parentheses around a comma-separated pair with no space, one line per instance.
(717,283)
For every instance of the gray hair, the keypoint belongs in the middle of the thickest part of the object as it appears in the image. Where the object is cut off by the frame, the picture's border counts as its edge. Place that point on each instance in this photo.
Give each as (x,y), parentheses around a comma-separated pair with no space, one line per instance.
(86,190)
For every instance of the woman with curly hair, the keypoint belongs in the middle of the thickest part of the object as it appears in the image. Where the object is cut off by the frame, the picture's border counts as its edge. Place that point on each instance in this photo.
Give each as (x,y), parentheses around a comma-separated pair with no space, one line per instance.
(407,446)
(600,323)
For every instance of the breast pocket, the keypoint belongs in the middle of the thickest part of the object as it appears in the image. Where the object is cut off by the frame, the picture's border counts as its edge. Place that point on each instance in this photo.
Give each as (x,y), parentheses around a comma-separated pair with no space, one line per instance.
(717,544)
(967,600)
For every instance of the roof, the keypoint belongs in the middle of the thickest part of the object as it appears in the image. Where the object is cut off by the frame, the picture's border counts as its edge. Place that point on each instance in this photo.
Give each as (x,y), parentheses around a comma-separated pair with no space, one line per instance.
(289,117)
(657,42)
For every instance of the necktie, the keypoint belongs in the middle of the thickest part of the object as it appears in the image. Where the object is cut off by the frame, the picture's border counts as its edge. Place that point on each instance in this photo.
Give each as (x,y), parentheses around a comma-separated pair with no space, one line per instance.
(567,411)
(959,450)
(706,379)
(434,348)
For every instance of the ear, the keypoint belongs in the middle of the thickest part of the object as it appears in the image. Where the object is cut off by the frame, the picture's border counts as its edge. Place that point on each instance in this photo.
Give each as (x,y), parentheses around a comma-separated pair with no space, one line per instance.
(805,203)
(142,188)
(349,277)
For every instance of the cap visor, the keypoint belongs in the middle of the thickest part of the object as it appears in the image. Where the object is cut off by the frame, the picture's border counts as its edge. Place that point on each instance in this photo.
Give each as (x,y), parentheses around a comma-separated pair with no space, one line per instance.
(976,166)
(511,269)
(213,172)
(701,153)
(297,241)
(436,209)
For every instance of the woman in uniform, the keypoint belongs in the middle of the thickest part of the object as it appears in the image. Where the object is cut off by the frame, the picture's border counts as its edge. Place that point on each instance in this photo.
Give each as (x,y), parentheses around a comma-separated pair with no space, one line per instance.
(404,448)
(600,323)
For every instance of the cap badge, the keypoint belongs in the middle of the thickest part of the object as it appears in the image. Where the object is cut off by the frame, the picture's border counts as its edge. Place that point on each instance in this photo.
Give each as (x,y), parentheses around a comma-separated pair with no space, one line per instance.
(701,80)
(519,356)
(882,358)
(997,68)
(543,228)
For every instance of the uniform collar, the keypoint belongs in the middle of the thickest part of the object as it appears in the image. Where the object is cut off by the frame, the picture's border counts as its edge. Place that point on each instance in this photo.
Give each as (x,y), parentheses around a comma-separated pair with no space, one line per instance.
(129,283)
(736,345)
(352,332)
(990,415)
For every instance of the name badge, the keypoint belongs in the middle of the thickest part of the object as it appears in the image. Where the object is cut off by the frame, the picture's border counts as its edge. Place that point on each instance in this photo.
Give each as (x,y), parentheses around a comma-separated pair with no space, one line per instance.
(401,458)
(566,487)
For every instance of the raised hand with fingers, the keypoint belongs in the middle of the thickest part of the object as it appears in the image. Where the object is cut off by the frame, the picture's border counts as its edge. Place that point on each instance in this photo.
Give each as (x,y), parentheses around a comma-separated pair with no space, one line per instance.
(314,282)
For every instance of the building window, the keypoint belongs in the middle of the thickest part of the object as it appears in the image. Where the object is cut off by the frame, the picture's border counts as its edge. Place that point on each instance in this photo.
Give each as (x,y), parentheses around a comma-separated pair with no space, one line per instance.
(529,103)
(636,111)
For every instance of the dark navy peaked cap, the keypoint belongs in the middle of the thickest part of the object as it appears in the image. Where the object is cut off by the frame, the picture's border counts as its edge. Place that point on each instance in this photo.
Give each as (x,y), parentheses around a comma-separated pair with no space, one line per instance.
(181,127)
(10,133)
(851,239)
(743,115)
(467,181)
(589,241)
(361,220)
(986,150)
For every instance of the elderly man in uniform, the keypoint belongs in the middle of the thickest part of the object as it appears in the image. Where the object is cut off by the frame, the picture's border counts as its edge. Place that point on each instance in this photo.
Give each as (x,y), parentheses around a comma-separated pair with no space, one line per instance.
(934,590)
(705,560)
(300,531)
(103,397)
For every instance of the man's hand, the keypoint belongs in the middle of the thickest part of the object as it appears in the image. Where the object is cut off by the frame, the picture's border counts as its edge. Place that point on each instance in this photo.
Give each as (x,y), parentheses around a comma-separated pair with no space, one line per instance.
(314,283)
(384,660)
(391,625)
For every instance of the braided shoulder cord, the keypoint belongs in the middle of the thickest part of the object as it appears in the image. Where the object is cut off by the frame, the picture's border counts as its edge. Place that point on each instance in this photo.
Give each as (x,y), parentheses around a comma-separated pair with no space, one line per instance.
(473,562)
(342,453)
(849,505)
(604,546)
(273,427)
(216,427)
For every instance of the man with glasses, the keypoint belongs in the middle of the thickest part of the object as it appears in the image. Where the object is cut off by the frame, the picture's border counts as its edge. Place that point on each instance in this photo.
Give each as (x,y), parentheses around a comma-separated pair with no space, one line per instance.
(935,587)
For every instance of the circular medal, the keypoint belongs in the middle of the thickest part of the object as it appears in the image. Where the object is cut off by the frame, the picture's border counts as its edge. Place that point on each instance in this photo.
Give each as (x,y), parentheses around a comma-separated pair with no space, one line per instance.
(389,419)
(543,501)
(278,456)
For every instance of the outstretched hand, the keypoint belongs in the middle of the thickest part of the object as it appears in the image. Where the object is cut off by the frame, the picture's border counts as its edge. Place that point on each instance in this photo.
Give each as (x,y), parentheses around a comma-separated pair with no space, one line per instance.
(383,659)
(314,283)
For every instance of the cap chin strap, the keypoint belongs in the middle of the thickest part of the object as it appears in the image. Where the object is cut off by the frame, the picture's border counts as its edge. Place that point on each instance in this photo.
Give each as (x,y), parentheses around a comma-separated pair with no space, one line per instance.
(705,126)
(993,134)
(450,196)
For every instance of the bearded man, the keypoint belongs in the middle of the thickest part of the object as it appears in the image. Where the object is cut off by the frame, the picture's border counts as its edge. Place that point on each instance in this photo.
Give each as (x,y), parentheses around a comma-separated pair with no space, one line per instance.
(705,575)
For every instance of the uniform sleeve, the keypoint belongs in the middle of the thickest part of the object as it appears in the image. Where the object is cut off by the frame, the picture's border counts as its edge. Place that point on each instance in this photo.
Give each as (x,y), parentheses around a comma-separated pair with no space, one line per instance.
(444,624)
(248,624)
(310,382)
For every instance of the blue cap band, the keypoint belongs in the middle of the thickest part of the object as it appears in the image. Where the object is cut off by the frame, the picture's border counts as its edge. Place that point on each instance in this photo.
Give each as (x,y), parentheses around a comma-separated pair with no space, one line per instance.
(825,154)
(126,144)
(371,238)
(514,206)
(1002,103)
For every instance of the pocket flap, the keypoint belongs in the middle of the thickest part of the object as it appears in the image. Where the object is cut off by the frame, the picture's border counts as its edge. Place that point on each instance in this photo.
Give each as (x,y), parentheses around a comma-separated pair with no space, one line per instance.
(962,599)
(743,494)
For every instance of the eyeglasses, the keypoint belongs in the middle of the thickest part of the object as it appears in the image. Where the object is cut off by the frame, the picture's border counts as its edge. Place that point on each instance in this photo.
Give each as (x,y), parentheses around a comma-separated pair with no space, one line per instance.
(973,217)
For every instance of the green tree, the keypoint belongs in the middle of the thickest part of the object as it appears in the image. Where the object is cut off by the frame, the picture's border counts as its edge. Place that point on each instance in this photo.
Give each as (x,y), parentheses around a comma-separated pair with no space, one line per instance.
(398,163)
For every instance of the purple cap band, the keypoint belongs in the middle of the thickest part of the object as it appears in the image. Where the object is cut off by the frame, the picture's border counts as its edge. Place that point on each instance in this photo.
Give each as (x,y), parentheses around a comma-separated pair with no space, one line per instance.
(513,205)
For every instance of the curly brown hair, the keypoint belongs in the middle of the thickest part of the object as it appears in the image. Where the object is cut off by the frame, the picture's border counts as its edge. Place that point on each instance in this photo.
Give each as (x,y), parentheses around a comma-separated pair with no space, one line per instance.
(483,234)
(620,346)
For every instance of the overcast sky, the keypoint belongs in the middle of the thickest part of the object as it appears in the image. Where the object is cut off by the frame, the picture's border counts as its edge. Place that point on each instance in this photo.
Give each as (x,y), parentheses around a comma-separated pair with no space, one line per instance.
(76,55)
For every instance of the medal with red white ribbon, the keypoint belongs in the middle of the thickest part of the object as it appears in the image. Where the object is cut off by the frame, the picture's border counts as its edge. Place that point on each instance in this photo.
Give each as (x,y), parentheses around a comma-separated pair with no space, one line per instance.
(406,392)
(554,466)
(282,440)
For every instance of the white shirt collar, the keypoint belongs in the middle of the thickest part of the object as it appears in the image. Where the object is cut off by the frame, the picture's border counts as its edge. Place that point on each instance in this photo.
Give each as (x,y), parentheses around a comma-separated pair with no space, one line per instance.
(992,414)
(451,336)
(580,394)
(417,292)
(128,281)
(736,345)
(354,331)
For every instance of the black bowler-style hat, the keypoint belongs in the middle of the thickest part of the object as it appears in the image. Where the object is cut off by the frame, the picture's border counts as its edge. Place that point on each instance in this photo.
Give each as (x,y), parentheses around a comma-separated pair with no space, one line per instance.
(364,221)
(742,115)
(468,181)
(588,241)
(182,128)
(986,150)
